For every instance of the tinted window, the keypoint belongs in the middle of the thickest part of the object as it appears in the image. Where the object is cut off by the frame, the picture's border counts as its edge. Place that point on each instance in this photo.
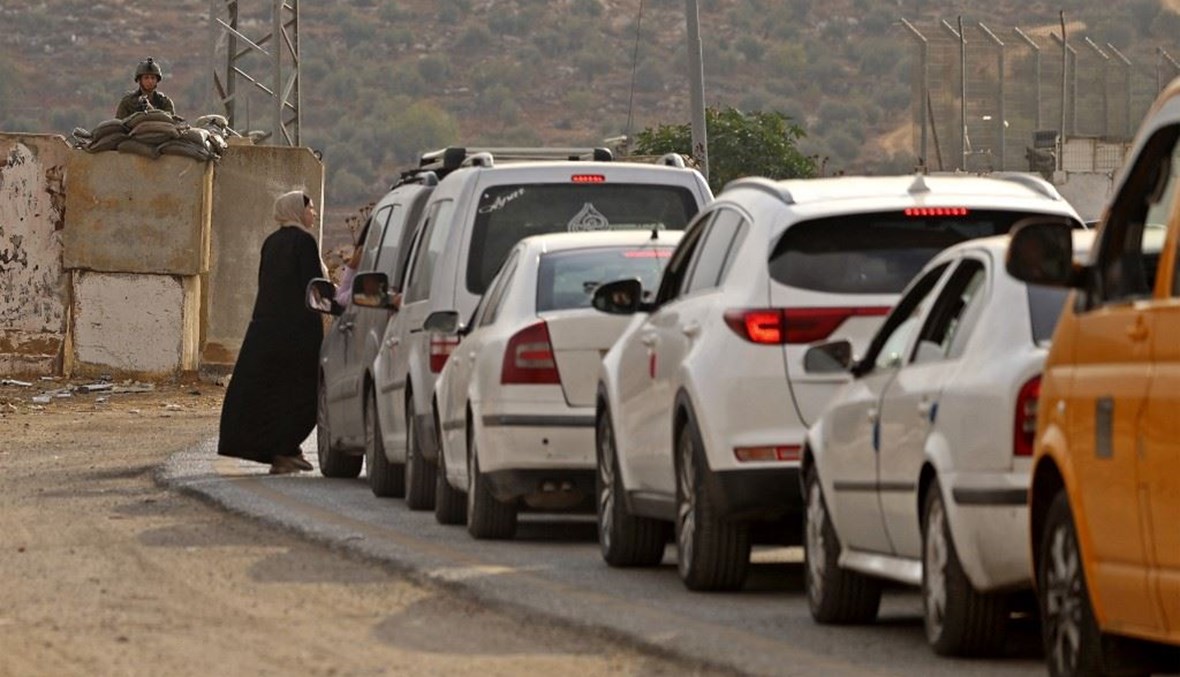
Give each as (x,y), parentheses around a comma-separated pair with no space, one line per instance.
(887,346)
(715,252)
(389,240)
(877,253)
(508,214)
(568,279)
(498,291)
(430,246)
(675,274)
(946,318)
(1044,307)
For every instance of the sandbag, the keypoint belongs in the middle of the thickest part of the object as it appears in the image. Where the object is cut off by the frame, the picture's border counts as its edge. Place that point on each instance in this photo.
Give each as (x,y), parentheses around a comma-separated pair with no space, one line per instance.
(109,142)
(153,138)
(217,120)
(139,148)
(138,117)
(197,136)
(151,128)
(108,127)
(185,149)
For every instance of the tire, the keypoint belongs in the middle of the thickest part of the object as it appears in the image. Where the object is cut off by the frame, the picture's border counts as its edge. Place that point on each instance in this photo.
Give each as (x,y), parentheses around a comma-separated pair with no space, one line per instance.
(333,461)
(419,476)
(713,553)
(625,540)
(1073,644)
(487,518)
(959,620)
(834,595)
(450,504)
(385,479)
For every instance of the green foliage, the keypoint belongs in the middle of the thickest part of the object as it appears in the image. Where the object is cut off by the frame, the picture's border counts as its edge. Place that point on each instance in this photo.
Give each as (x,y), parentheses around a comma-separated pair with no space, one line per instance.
(740,144)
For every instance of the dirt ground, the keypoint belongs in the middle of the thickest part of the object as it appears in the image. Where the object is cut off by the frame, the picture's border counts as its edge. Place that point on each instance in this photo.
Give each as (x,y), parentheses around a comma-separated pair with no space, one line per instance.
(107,573)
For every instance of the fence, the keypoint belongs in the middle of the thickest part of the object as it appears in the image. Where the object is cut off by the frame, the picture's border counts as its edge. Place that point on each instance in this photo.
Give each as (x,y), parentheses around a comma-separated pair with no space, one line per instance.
(986,99)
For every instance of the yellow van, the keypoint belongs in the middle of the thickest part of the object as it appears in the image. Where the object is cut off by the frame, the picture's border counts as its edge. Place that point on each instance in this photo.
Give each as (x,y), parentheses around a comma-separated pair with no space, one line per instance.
(1104,503)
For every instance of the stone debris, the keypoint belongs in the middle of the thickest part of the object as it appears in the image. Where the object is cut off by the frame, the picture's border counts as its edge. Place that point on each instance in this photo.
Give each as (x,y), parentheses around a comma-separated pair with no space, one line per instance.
(133,388)
(172,407)
(14,382)
(95,387)
(42,399)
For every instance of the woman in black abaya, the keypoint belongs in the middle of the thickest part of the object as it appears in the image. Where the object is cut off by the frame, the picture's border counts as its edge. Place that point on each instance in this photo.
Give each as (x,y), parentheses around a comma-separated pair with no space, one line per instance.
(270,405)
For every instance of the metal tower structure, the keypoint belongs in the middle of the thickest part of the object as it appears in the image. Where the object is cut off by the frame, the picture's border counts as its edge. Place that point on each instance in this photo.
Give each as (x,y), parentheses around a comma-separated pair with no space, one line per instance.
(241,65)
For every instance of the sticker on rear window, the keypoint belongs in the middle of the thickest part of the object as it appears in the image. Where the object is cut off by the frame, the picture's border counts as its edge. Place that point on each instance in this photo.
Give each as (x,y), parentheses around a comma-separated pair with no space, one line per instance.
(587,219)
(501,201)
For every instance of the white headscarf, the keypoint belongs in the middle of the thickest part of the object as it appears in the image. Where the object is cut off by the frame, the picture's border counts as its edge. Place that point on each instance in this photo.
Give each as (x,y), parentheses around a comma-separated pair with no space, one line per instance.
(289,208)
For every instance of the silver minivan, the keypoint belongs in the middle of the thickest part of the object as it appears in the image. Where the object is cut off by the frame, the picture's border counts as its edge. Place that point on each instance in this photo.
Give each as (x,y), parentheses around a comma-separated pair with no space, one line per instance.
(474,217)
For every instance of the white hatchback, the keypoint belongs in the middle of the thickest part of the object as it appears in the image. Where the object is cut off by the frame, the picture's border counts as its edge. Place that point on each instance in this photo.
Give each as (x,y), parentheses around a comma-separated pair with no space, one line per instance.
(515,402)
(704,402)
(918,470)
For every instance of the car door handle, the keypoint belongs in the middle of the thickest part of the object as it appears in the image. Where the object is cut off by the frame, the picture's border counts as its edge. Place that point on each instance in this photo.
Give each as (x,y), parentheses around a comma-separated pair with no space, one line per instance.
(344,327)
(1138,331)
(925,406)
(648,341)
(873,415)
(691,329)
(392,343)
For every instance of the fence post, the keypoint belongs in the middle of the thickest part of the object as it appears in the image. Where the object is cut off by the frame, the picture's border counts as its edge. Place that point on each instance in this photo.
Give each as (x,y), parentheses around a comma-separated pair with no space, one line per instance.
(1036,74)
(924,103)
(963,142)
(1003,115)
(1126,63)
(1105,84)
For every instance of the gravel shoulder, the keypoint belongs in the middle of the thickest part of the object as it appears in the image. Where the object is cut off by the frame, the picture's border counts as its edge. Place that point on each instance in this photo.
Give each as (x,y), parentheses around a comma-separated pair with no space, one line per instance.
(106,572)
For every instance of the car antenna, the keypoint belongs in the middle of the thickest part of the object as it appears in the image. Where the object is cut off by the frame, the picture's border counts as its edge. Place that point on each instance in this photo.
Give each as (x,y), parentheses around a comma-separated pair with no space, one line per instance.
(655,232)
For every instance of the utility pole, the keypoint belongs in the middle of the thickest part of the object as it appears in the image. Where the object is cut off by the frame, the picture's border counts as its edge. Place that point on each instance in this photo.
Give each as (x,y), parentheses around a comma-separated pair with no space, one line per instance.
(279,82)
(696,81)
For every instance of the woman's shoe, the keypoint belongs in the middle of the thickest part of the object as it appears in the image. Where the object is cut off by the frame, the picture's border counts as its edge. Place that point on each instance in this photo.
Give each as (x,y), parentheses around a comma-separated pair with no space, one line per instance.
(300,462)
(283,465)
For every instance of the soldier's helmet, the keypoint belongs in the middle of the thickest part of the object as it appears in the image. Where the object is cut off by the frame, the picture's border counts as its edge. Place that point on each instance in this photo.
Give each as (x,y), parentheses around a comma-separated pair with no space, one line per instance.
(148,67)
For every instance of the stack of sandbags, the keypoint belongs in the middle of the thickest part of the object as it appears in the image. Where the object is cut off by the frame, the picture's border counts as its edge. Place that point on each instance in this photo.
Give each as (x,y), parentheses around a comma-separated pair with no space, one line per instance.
(154,133)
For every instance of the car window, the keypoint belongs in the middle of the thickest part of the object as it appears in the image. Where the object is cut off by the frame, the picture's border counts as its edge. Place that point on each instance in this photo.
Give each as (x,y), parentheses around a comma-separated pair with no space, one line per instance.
(720,244)
(1044,307)
(675,274)
(946,316)
(507,214)
(390,237)
(1132,236)
(499,291)
(430,247)
(371,232)
(567,279)
(887,346)
(876,253)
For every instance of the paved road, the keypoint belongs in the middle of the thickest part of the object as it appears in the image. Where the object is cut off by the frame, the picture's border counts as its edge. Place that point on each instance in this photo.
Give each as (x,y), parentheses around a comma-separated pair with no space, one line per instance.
(552,571)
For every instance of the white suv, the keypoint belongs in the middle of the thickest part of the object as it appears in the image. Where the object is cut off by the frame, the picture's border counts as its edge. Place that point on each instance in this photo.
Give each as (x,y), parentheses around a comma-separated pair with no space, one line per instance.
(473,219)
(704,403)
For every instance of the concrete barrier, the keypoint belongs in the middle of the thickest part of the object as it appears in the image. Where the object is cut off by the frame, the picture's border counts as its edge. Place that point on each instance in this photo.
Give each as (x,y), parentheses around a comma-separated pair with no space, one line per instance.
(34,289)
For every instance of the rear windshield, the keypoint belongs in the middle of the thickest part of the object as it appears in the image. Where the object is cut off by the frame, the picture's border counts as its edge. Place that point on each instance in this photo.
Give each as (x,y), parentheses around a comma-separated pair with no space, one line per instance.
(1044,307)
(508,214)
(567,279)
(874,253)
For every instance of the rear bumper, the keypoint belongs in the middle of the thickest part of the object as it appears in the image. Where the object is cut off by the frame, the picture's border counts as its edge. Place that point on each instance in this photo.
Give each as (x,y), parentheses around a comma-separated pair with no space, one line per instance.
(756,494)
(567,487)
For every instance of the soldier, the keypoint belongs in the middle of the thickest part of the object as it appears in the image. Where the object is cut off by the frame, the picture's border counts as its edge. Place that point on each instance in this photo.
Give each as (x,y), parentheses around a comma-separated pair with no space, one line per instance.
(146,96)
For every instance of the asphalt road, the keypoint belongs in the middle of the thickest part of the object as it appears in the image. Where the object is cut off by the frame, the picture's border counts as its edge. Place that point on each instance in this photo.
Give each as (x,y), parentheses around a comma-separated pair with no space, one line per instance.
(553,572)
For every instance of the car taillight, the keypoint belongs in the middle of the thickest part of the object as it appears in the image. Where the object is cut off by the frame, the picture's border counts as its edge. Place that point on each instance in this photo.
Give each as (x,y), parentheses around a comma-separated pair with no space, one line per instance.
(529,357)
(793,325)
(1025,428)
(441,348)
(782,452)
(587,178)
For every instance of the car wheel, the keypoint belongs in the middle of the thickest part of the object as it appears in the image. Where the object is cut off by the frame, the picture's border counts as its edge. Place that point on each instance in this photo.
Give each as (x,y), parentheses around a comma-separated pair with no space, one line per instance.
(333,462)
(960,621)
(1073,644)
(625,540)
(714,553)
(834,595)
(487,518)
(419,472)
(385,479)
(450,504)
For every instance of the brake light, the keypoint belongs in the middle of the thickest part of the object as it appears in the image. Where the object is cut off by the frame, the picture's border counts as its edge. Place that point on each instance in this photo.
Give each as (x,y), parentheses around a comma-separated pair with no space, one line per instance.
(529,357)
(648,253)
(441,348)
(793,325)
(936,211)
(1025,428)
(783,452)
(588,178)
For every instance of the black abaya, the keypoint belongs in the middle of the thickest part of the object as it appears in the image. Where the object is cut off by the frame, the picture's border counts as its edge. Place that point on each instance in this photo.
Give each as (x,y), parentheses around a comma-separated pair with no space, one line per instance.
(270,405)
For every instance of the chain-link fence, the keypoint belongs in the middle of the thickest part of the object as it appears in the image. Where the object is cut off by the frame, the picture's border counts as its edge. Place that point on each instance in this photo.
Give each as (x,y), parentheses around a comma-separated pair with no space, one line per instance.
(990,99)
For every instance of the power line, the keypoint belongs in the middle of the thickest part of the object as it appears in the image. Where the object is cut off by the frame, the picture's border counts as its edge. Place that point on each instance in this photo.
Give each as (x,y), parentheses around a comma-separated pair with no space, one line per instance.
(634,70)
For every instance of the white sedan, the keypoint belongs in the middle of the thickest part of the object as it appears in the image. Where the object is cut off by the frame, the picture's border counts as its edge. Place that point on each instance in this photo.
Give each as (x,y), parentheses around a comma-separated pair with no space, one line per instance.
(918,470)
(515,401)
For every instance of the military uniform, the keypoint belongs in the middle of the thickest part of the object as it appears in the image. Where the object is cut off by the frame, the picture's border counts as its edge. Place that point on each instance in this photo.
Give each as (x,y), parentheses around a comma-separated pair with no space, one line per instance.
(130,103)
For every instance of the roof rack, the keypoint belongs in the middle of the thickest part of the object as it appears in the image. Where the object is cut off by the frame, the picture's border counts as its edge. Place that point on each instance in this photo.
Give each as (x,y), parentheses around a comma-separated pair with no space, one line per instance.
(453,157)
(426,177)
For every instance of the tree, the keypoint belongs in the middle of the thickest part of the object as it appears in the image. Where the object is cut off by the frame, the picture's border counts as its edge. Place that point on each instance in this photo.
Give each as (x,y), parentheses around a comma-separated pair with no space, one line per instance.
(740,144)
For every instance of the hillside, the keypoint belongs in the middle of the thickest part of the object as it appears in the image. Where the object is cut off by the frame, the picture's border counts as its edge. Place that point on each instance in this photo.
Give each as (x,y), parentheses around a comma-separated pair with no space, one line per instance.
(385,79)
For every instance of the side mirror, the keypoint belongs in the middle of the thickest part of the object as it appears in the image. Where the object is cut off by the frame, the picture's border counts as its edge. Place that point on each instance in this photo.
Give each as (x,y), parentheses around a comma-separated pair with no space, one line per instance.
(621,297)
(321,297)
(371,290)
(442,322)
(1041,252)
(828,358)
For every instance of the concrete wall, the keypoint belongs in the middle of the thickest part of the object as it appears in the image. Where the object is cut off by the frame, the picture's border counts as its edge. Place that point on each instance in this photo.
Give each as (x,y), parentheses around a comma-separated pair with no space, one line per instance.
(34,291)
(245,185)
(132,214)
(147,324)
(1088,192)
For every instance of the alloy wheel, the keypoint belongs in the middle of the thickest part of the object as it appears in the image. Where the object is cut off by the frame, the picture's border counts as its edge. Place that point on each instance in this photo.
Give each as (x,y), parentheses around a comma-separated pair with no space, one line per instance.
(686,508)
(814,535)
(1063,600)
(606,476)
(934,569)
